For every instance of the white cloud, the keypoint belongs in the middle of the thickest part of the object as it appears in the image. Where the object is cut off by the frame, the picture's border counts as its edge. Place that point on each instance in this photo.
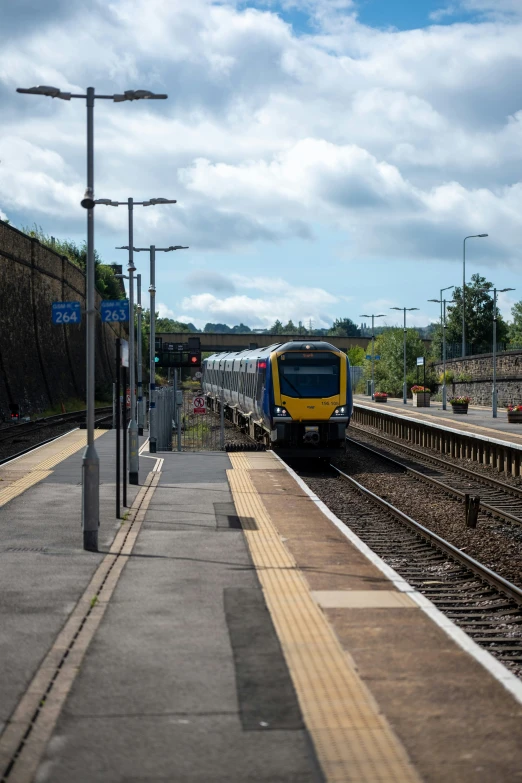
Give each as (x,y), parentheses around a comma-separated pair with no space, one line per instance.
(401,142)
(280,300)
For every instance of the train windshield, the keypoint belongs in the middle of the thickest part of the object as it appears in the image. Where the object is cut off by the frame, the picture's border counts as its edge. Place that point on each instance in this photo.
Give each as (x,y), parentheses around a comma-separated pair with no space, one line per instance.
(314,374)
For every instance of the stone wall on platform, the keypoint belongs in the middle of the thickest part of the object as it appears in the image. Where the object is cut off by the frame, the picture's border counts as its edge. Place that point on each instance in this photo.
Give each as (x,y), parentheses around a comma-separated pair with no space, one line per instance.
(480,371)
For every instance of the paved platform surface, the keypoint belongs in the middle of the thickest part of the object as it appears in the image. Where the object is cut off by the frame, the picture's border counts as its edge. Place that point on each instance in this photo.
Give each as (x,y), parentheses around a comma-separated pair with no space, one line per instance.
(230,631)
(477,419)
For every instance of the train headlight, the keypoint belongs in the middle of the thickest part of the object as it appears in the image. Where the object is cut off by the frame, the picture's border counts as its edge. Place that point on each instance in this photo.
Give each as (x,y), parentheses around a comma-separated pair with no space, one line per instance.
(280,411)
(340,411)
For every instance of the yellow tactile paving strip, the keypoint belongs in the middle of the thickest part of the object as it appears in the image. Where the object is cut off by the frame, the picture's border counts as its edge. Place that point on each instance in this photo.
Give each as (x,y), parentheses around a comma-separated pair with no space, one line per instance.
(353,741)
(37,472)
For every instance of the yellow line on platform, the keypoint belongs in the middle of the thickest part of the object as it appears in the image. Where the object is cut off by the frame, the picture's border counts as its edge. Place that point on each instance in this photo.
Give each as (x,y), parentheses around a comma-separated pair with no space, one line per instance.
(41,470)
(353,741)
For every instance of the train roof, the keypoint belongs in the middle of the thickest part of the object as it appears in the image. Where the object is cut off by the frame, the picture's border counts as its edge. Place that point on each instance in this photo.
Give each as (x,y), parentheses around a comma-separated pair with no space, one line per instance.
(251,354)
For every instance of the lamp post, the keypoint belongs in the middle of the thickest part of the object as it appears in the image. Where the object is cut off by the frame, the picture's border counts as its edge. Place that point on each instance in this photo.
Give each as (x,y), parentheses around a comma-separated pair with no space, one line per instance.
(373,317)
(443,322)
(494,400)
(472,236)
(140,359)
(404,389)
(133,461)
(152,339)
(90,462)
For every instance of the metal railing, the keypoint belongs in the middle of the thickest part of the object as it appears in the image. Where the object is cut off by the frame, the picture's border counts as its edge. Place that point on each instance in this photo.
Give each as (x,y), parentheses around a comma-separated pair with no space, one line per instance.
(454,350)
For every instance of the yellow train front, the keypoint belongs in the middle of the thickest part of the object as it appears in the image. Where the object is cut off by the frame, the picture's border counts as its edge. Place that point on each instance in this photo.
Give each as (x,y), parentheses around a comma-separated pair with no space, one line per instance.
(291,396)
(312,396)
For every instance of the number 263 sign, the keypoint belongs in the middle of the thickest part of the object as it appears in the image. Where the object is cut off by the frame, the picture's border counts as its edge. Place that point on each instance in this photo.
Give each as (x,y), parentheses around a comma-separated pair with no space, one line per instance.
(114,310)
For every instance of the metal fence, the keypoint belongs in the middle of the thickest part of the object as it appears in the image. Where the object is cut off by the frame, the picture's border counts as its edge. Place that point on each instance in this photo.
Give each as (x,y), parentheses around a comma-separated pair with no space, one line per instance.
(454,350)
(356,374)
(197,431)
(164,417)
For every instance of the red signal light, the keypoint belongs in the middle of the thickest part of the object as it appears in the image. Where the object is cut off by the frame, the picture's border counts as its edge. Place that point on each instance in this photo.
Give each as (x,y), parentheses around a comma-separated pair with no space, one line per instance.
(194,359)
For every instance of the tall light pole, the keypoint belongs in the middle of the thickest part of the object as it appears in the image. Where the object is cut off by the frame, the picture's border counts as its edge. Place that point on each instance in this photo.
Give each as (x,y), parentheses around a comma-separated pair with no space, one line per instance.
(404,388)
(152,339)
(443,322)
(140,359)
(494,400)
(373,317)
(133,461)
(472,236)
(90,462)
(448,288)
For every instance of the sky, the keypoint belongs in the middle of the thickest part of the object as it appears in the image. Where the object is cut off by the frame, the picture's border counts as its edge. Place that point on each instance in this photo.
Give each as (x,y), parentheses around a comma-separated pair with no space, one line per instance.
(328,157)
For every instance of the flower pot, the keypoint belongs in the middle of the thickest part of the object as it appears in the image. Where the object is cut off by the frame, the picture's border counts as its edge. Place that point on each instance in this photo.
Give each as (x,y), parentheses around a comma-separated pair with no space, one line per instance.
(421,399)
(380,399)
(515,417)
(459,407)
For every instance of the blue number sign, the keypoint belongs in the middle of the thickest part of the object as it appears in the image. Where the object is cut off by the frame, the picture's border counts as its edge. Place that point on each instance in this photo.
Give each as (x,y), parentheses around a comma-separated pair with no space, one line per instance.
(67,313)
(114,310)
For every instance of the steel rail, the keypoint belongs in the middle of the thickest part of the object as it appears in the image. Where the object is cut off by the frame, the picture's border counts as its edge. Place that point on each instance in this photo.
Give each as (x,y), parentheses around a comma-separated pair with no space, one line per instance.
(495,510)
(484,573)
(486,480)
(13,430)
(4,460)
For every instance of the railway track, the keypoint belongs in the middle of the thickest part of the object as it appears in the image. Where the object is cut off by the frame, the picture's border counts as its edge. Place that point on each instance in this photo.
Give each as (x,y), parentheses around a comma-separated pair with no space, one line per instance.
(484,604)
(24,431)
(14,430)
(498,498)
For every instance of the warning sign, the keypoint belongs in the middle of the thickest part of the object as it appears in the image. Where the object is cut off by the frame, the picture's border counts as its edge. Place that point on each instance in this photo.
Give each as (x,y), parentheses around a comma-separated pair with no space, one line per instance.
(200,405)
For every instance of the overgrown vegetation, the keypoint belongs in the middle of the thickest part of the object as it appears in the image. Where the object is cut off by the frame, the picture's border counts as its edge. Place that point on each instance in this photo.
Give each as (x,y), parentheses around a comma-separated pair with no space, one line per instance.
(389,369)
(107,284)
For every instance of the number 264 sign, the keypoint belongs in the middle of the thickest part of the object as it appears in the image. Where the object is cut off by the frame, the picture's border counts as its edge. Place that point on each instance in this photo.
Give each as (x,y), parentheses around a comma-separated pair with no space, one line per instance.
(67,313)
(114,310)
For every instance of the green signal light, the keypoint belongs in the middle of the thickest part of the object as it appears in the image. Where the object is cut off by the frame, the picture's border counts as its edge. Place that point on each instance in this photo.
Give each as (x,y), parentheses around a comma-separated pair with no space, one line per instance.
(156,358)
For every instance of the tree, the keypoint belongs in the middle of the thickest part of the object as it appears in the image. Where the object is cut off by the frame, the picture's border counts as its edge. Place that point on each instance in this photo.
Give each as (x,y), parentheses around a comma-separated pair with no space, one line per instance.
(356,355)
(277,328)
(290,328)
(389,369)
(515,329)
(478,316)
(217,328)
(241,329)
(344,327)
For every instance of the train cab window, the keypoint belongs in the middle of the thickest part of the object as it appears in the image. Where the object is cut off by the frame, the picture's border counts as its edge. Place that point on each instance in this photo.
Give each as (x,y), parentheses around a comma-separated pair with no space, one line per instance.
(313,374)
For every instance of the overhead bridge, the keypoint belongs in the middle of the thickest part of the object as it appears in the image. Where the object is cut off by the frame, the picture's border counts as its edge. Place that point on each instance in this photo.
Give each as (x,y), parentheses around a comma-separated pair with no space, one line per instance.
(216,342)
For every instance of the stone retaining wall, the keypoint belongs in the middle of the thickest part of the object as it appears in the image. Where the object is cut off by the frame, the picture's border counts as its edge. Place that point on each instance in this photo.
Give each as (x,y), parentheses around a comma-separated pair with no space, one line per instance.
(42,364)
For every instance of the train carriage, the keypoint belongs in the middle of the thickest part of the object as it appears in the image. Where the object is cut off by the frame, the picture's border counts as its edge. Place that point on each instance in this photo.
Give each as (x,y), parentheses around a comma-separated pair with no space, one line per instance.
(295,395)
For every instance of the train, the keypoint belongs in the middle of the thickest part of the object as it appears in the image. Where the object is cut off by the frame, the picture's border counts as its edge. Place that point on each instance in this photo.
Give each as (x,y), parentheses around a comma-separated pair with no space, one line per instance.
(288,396)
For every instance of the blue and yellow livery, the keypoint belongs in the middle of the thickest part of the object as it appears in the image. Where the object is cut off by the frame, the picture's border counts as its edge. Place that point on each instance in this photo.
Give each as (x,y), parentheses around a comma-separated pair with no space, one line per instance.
(291,395)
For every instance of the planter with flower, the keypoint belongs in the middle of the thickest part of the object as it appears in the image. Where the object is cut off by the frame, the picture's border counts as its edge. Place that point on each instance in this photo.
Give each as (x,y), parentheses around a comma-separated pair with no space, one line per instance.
(380,397)
(459,404)
(421,397)
(514,413)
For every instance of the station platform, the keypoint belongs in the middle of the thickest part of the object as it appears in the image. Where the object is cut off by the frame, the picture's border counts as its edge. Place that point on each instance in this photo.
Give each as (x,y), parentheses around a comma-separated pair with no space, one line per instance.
(231,630)
(478,420)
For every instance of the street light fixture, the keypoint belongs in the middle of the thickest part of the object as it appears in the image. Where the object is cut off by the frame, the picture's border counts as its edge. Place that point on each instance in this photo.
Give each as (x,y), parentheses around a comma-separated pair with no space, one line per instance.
(443,322)
(472,236)
(133,461)
(373,317)
(152,338)
(90,462)
(404,385)
(494,390)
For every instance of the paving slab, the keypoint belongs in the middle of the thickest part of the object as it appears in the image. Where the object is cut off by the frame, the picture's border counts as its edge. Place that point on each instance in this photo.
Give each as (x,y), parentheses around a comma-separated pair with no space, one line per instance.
(43,567)
(185,679)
